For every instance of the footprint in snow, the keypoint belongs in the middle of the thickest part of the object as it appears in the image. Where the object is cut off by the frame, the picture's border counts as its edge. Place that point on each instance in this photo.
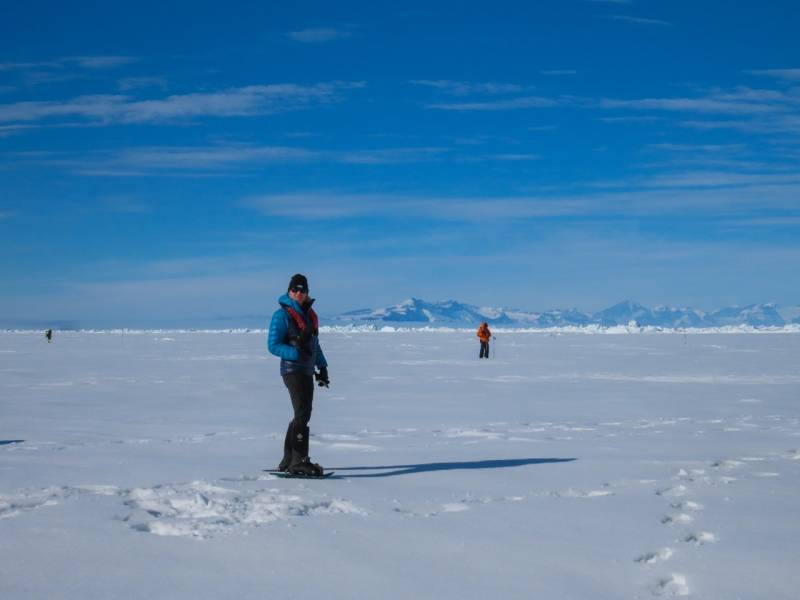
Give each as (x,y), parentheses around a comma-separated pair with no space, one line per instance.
(700,537)
(681,519)
(687,505)
(727,464)
(674,585)
(678,490)
(650,558)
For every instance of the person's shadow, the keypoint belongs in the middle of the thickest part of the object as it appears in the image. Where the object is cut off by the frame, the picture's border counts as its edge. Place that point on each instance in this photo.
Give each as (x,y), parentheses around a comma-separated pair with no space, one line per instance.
(392,470)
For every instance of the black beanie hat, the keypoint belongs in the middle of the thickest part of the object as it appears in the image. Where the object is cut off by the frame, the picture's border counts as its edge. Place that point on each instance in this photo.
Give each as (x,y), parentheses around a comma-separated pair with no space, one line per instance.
(298,283)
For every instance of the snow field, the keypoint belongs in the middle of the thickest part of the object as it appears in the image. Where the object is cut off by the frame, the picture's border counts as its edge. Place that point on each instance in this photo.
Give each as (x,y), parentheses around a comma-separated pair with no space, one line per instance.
(570,466)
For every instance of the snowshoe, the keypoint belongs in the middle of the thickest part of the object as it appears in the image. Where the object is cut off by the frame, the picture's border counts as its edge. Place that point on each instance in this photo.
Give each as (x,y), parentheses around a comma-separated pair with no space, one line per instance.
(305,468)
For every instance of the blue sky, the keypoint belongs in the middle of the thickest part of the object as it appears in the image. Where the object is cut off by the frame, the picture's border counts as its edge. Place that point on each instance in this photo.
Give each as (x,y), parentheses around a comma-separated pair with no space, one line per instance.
(176,162)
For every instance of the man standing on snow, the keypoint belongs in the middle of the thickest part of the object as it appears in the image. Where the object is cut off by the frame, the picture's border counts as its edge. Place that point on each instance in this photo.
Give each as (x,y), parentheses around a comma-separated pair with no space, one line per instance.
(484,335)
(294,337)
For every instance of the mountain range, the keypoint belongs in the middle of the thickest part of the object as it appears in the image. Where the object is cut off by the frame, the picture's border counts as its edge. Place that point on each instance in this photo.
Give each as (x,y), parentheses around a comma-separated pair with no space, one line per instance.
(415,311)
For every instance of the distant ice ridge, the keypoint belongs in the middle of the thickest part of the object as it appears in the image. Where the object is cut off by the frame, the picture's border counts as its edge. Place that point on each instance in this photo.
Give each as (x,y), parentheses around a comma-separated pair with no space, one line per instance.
(414,310)
(589,329)
(593,329)
(625,317)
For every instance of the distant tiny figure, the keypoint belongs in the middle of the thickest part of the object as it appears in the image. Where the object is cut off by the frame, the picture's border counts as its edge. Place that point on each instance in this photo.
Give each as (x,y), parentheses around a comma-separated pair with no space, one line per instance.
(484,335)
(49,335)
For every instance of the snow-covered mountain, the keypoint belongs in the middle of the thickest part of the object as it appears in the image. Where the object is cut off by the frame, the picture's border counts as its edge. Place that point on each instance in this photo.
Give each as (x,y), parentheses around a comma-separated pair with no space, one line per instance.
(757,314)
(415,311)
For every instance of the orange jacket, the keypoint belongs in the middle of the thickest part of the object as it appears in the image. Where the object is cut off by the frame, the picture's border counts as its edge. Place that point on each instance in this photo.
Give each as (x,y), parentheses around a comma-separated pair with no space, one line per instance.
(483,333)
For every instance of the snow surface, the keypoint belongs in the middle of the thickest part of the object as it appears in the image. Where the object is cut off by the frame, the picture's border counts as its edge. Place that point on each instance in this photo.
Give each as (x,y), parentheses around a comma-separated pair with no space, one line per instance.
(569,466)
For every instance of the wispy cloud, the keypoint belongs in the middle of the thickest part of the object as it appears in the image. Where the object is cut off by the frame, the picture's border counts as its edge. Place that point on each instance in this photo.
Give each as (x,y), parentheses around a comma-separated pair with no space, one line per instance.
(514,157)
(15,66)
(204,158)
(784,74)
(135,83)
(235,102)
(100,62)
(638,20)
(8,130)
(697,105)
(511,104)
(181,161)
(739,101)
(388,155)
(464,88)
(700,179)
(774,125)
(124,204)
(319,35)
(630,119)
(63,69)
(767,112)
(689,195)
(222,159)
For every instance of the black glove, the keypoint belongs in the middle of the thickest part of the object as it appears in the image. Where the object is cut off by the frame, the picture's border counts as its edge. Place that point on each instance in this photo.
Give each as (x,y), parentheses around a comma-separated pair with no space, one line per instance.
(322,377)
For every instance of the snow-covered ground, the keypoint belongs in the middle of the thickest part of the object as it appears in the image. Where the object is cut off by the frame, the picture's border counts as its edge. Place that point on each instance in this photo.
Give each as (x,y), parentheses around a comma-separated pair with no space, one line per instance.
(569,466)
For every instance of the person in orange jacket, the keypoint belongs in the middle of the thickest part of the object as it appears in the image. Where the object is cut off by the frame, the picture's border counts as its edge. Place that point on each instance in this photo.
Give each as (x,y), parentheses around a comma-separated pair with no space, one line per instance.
(484,335)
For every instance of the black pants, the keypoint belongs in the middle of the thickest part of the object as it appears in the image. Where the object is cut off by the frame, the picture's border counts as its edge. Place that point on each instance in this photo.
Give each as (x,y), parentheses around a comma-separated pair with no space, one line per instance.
(484,350)
(301,392)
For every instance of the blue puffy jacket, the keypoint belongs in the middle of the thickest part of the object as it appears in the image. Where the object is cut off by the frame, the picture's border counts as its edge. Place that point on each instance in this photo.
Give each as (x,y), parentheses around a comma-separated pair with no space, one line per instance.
(296,357)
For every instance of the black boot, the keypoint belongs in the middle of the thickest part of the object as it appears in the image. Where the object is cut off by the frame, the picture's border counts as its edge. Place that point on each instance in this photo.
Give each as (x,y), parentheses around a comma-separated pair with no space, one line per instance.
(301,463)
(287,449)
(298,441)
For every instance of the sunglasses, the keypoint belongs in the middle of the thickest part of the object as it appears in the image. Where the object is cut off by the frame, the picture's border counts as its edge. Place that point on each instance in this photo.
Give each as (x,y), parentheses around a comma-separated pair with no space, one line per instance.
(297,290)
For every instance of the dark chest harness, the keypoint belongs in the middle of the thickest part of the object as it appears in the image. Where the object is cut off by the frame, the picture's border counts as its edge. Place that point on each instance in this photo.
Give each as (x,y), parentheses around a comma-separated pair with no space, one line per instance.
(302,333)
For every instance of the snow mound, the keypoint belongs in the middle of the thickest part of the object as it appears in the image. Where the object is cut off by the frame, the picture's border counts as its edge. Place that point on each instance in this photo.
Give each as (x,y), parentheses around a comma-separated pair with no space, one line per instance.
(200,509)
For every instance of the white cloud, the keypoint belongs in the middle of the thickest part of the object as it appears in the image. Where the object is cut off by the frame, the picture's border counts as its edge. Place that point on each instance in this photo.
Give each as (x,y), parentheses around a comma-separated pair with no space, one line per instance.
(719,180)
(742,101)
(692,195)
(245,101)
(515,157)
(463,88)
(100,62)
(387,155)
(512,104)
(133,83)
(7,130)
(218,160)
(316,36)
(639,20)
(781,124)
(205,158)
(768,112)
(785,74)
(84,62)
